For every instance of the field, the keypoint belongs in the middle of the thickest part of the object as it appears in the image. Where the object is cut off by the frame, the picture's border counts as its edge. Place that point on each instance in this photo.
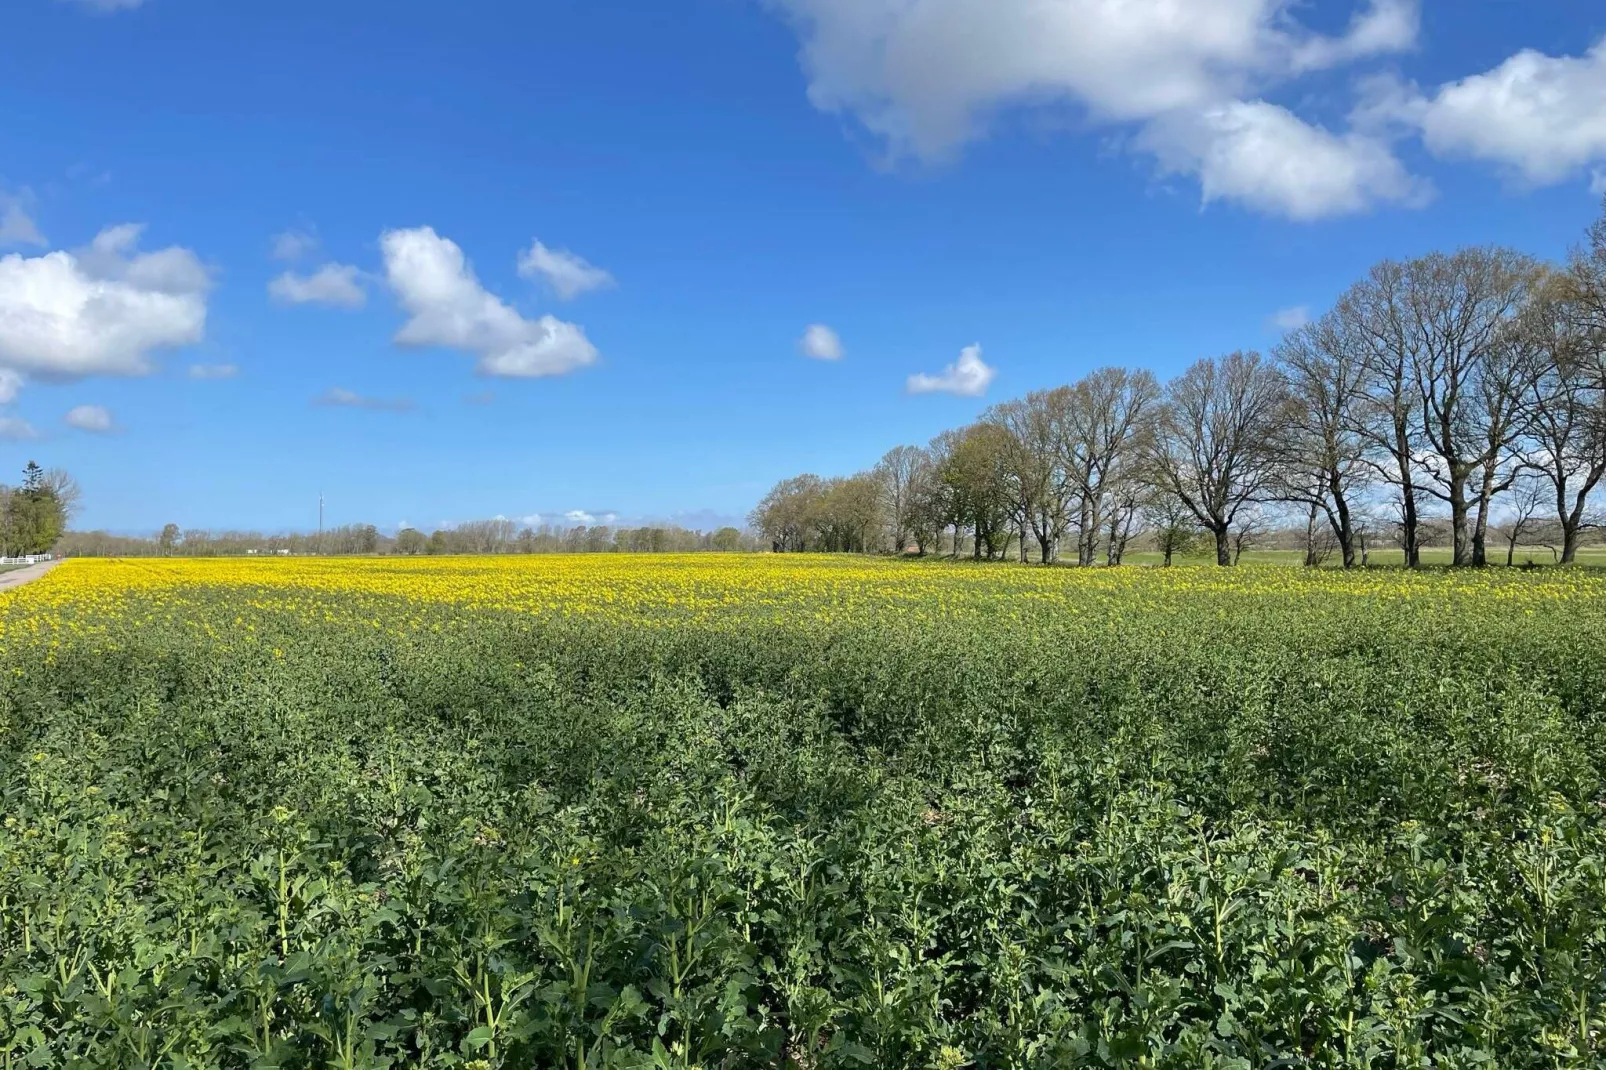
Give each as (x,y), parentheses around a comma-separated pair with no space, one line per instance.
(813,812)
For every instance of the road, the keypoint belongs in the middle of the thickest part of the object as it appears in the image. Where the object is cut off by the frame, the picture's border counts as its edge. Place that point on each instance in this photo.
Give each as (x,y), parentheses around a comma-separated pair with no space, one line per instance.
(16,577)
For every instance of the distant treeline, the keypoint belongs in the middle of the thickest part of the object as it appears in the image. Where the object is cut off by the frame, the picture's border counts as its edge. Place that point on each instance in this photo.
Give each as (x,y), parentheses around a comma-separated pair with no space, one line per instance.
(476,537)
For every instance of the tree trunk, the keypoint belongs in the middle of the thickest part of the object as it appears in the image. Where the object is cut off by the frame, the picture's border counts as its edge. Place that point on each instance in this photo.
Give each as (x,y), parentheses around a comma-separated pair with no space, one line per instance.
(1461,543)
(1342,523)
(1480,528)
(1410,525)
(1223,547)
(1045,546)
(1572,520)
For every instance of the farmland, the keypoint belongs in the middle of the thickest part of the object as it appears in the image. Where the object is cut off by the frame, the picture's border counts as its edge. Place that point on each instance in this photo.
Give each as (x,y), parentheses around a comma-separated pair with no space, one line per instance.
(729,811)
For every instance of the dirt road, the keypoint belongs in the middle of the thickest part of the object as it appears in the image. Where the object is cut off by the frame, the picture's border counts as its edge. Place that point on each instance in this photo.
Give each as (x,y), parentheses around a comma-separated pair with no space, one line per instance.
(16,577)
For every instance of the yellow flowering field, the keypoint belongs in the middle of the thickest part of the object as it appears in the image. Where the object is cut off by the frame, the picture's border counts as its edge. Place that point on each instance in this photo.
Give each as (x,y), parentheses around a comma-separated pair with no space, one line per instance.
(800,811)
(704,588)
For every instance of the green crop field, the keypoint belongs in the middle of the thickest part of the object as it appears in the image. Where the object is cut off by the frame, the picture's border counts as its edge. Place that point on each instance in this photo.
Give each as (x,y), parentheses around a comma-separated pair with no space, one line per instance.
(800,812)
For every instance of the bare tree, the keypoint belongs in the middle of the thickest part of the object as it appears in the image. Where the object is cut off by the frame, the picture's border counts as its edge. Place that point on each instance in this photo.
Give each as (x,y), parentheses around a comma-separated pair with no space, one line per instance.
(1527,501)
(1459,312)
(1251,527)
(1123,517)
(1565,404)
(943,500)
(1321,445)
(899,473)
(1371,319)
(1213,446)
(1111,416)
(66,490)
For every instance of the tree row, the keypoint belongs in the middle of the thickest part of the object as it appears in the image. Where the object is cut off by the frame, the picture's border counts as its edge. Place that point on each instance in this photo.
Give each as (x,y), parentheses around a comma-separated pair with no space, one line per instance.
(1446,389)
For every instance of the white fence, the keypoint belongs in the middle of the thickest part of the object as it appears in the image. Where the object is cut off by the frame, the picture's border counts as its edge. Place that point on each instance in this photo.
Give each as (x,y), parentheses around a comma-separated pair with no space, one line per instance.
(31,559)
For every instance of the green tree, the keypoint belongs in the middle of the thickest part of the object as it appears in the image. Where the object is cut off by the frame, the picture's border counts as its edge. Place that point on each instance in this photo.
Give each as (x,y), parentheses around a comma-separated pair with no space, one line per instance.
(168,539)
(410,541)
(727,540)
(36,517)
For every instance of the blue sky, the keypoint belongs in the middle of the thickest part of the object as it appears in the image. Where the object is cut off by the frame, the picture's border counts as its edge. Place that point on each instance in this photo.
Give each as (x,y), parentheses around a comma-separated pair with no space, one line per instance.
(1062,187)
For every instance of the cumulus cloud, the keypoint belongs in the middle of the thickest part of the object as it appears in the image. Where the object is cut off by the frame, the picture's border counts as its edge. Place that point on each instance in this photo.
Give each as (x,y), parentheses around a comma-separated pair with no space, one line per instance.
(448,307)
(96,419)
(1597,182)
(1290,319)
(99,311)
(16,429)
(968,377)
(340,398)
(927,76)
(293,244)
(213,371)
(568,275)
(1264,156)
(334,285)
(16,225)
(820,342)
(10,386)
(1539,117)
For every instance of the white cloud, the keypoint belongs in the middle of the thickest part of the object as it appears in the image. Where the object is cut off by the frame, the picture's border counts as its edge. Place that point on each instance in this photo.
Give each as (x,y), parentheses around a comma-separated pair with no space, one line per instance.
(213,371)
(338,397)
(114,255)
(15,429)
(96,419)
(16,225)
(1384,27)
(568,275)
(1597,182)
(1264,156)
(293,244)
(1540,117)
(587,518)
(820,342)
(10,386)
(968,377)
(928,75)
(335,285)
(436,286)
(1290,319)
(101,310)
